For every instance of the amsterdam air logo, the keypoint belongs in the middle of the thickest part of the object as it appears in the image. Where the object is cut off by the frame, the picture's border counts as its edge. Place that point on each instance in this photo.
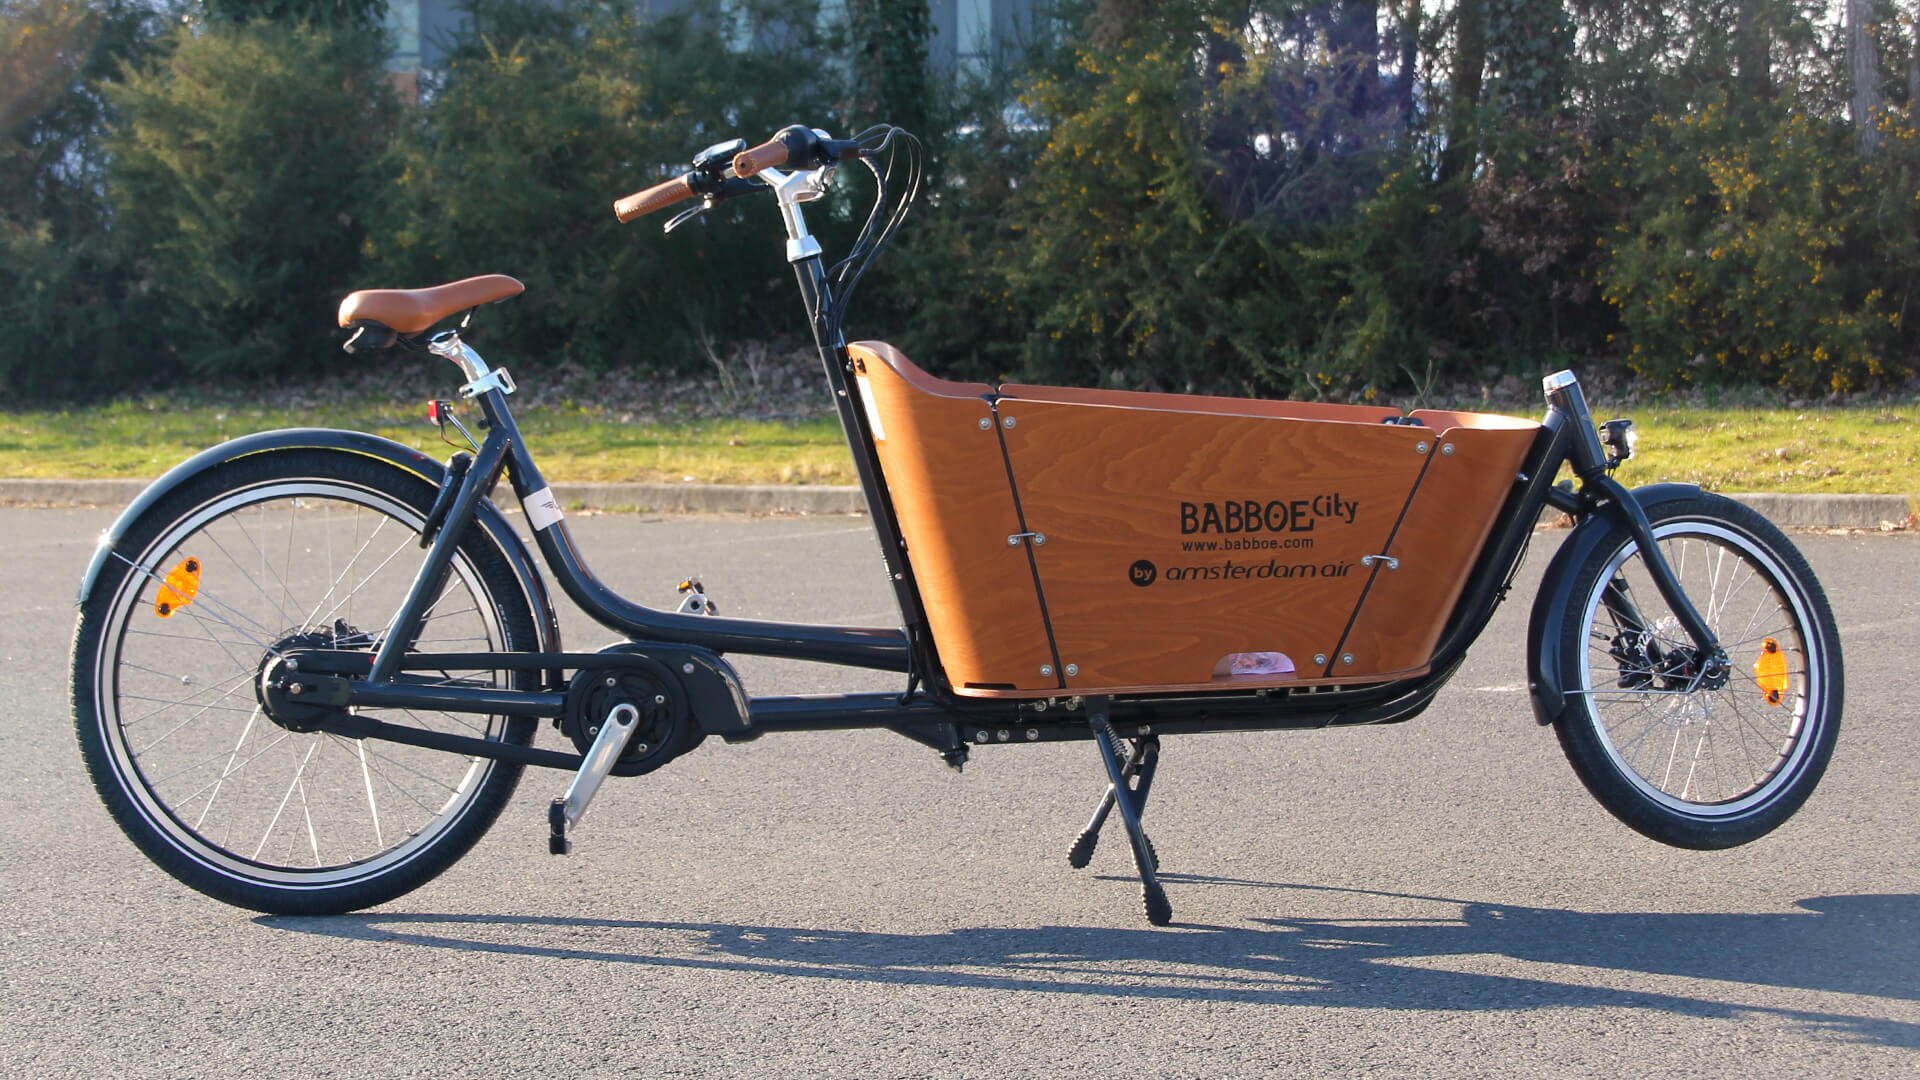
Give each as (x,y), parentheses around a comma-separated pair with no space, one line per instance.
(1142,573)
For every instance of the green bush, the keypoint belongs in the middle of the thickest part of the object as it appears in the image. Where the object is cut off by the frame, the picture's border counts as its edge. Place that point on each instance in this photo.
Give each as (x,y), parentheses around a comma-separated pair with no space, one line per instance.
(546,115)
(1134,273)
(1211,212)
(1737,258)
(242,168)
(61,279)
(1211,195)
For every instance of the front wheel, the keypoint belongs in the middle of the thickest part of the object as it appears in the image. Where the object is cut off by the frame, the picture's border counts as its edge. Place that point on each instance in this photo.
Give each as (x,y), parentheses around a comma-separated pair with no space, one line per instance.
(289,549)
(1699,751)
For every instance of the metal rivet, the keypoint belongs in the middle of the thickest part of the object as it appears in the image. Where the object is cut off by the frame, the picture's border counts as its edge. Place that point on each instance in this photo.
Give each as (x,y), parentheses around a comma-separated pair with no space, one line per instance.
(641,748)
(594,730)
(1014,540)
(1072,670)
(1008,422)
(1039,539)
(611,681)
(1046,671)
(1446,448)
(1319,658)
(980,736)
(659,699)
(986,423)
(1004,734)
(1420,447)
(1346,658)
(292,664)
(296,688)
(686,669)
(1033,734)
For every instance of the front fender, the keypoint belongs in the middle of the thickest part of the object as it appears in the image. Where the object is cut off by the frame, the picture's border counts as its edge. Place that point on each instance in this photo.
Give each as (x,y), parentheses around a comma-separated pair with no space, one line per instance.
(402,457)
(1553,605)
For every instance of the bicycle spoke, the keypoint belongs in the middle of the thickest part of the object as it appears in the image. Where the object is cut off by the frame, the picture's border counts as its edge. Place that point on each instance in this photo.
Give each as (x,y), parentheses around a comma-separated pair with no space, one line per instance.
(373,807)
(334,585)
(225,771)
(285,799)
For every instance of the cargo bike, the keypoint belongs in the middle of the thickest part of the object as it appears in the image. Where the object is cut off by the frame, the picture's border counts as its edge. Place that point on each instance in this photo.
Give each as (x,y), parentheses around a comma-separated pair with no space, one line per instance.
(310,664)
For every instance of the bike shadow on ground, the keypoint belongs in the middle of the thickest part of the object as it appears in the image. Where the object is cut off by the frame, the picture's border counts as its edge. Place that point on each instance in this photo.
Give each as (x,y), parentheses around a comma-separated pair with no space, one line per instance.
(1857,945)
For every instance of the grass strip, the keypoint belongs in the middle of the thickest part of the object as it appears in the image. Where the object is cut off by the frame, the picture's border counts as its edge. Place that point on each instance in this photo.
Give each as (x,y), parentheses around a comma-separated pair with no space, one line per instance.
(1869,448)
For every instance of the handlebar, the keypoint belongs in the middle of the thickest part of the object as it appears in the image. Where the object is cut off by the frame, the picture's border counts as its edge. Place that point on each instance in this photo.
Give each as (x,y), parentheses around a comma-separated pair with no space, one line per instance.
(658,197)
(790,147)
(787,146)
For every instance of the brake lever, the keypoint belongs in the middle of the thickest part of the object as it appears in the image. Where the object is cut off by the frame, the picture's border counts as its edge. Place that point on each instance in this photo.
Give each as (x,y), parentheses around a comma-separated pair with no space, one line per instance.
(687,215)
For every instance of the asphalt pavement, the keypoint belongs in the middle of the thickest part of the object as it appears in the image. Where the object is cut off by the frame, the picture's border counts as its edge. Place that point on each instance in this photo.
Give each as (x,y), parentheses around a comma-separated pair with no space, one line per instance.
(1439,898)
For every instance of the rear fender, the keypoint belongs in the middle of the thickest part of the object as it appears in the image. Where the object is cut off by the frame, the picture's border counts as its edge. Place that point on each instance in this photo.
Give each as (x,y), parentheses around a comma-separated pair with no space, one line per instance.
(404,458)
(1555,604)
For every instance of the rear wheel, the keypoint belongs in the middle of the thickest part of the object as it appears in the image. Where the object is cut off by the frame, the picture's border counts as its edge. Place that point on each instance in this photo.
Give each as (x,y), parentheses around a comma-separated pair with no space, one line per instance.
(283,550)
(1691,750)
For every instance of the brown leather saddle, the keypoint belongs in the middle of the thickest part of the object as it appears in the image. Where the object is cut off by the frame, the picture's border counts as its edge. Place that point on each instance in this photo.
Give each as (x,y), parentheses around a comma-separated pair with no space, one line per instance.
(410,311)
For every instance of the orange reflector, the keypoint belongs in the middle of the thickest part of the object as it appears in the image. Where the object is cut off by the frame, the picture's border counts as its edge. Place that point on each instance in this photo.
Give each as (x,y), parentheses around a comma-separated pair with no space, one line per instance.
(182,584)
(1770,671)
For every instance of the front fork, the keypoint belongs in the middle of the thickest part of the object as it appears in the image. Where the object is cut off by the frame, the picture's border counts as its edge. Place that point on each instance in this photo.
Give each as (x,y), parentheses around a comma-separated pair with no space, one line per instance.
(1600,491)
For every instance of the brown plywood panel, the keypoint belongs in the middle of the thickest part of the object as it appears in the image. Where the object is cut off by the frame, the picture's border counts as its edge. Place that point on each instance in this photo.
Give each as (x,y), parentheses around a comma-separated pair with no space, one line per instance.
(1174,539)
(948,481)
(1446,525)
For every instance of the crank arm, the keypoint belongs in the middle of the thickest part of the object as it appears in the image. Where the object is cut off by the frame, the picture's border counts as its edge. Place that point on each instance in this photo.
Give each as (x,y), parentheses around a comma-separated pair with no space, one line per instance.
(566,811)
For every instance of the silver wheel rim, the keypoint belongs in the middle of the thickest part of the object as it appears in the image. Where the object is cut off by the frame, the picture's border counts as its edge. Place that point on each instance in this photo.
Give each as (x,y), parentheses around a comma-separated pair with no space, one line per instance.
(1705,752)
(183,730)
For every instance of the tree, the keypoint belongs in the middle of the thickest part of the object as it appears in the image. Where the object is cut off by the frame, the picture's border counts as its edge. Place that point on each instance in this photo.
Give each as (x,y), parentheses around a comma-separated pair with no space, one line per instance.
(1529,47)
(1913,66)
(1863,65)
(245,163)
(1753,48)
(62,283)
(347,13)
(890,74)
(1404,90)
(1463,96)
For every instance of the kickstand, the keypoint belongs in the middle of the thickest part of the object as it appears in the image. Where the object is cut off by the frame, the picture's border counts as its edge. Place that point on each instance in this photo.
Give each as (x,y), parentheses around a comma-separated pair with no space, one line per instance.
(1141,763)
(1130,801)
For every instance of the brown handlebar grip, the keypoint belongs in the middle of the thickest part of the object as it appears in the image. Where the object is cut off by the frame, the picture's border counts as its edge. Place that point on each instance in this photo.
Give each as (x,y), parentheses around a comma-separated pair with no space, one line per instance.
(772,154)
(659,196)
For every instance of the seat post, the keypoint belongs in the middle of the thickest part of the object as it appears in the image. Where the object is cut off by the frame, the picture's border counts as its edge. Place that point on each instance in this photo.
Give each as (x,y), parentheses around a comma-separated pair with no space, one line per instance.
(480,377)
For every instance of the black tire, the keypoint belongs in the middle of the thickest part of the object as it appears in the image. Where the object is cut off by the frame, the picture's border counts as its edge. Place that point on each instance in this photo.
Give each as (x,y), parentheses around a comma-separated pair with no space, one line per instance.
(285,543)
(1711,762)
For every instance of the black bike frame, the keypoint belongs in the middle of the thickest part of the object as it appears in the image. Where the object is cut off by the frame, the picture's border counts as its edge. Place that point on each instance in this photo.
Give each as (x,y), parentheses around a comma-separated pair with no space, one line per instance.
(927,711)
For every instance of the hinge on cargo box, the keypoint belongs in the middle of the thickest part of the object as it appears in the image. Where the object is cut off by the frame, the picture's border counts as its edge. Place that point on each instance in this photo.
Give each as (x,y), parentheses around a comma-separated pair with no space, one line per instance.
(1369,560)
(1014,539)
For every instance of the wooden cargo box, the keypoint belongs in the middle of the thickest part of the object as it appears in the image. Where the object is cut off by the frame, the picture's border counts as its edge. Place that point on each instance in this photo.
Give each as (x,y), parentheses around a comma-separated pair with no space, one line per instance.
(1088,541)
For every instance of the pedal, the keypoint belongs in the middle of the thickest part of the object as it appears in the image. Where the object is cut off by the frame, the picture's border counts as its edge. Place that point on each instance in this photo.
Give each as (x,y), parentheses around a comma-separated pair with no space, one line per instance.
(565,813)
(694,599)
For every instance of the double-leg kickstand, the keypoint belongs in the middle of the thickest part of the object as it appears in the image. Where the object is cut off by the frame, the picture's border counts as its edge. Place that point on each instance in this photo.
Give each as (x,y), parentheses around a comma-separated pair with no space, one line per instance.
(1129,778)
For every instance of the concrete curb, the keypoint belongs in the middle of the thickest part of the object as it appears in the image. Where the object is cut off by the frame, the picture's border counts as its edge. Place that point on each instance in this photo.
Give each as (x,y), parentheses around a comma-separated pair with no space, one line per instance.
(1788,511)
(657,498)
(712,498)
(1834,511)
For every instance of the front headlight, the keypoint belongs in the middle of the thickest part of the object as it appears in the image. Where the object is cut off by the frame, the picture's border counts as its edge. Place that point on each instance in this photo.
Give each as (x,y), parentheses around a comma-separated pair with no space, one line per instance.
(1620,439)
